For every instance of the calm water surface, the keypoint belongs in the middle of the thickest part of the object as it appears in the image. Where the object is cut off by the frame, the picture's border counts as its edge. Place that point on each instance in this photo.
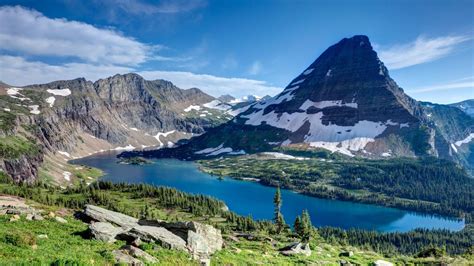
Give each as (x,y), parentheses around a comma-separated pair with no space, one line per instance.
(250,198)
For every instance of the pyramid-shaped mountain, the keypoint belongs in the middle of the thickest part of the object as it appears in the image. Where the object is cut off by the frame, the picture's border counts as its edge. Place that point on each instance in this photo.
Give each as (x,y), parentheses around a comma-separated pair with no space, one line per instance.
(344,102)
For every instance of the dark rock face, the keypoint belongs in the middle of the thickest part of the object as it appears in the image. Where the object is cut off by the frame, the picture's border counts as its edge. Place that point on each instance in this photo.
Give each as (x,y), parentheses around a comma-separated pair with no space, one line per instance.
(345,101)
(24,168)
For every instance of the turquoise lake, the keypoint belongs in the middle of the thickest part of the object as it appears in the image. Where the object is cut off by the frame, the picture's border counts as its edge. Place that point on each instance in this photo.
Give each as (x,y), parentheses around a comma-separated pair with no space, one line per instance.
(251,198)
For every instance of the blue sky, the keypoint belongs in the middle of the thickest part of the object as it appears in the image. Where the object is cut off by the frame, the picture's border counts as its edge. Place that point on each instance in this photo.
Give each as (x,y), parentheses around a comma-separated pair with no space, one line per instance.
(237,47)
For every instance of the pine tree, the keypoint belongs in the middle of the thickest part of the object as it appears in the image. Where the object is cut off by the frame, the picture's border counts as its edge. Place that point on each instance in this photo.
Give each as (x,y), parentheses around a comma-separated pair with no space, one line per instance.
(278,218)
(297,225)
(306,226)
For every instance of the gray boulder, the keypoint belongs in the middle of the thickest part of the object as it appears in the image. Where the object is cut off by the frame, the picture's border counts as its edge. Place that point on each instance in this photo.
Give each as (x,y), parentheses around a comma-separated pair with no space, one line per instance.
(60,220)
(157,234)
(382,263)
(138,253)
(104,231)
(123,258)
(296,249)
(103,215)
(210,237)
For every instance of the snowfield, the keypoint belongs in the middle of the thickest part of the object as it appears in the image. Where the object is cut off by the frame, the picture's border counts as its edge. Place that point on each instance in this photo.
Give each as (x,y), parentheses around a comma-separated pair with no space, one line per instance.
(282,156)
(60,92)
(468,139)
(218,105)
(192,107)
(34,109)
(345,146)
(323,104)
(50,100)
(164,134)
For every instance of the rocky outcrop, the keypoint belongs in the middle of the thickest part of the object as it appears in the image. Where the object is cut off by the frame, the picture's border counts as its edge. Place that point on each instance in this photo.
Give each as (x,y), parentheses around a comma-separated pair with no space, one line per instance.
(199,240)
(159,235)
(15,205)
(296,249)
(24,168)
(105,231)
(202,240)
(122,258)
(138,253)
(103,215)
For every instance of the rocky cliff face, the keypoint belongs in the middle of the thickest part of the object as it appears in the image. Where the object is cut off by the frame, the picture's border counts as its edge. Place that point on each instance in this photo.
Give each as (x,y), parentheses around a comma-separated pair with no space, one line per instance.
(76,118)
(345,102)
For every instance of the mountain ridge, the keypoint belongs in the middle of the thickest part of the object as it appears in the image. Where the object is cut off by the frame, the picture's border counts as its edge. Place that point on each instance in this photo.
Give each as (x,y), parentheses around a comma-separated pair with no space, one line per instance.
(345,102)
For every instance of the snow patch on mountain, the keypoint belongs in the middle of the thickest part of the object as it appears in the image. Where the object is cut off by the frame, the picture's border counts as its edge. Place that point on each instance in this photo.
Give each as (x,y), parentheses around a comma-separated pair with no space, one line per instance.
(324,104)
(308,71)
(164,134)
(345,147)
(282,156)
(60,92)
(209,150)
(34,109)
(192,107)
(126,148)
(297,82)
(468,139)
(218,105)
(50,100)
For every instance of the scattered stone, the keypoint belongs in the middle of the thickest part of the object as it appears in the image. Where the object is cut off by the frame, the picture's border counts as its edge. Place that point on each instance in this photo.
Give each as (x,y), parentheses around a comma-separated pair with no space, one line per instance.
(51,214)
(137,242)
(159,234)
(205,262)
(13,211)
(232,238)
(104,231)
(295,249)
(123,258)
(15,218)
(346,254)
(103,215)
(42,236)
(344,263)
(60,220)
(138,253)
(382,263)
(38,217)
(29,217)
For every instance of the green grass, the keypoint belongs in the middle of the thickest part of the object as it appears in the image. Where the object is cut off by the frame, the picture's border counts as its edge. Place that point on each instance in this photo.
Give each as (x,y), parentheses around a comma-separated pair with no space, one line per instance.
(12,147)
(64,243)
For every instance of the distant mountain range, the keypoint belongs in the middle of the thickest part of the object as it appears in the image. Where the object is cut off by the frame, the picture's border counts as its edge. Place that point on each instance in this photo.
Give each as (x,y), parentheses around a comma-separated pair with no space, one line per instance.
(345,102)
(466,106)
(74,118)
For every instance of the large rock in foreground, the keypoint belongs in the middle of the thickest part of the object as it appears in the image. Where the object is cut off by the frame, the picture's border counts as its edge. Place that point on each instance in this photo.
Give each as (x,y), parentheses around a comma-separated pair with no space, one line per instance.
(157,234)
(105,231)
(199,240)
(202,240)
(296,249)
(103,215)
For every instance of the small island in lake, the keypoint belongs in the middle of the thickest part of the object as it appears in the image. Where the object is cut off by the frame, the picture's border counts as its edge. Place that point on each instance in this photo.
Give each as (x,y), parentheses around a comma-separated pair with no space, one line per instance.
(135,161)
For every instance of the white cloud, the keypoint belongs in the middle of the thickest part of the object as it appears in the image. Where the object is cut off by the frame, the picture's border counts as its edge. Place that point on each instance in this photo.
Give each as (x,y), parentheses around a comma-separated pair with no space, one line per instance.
(420,51)
(18,71)
(29,32)
(163,6)
(213,85)
(448,86)
(255,68)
